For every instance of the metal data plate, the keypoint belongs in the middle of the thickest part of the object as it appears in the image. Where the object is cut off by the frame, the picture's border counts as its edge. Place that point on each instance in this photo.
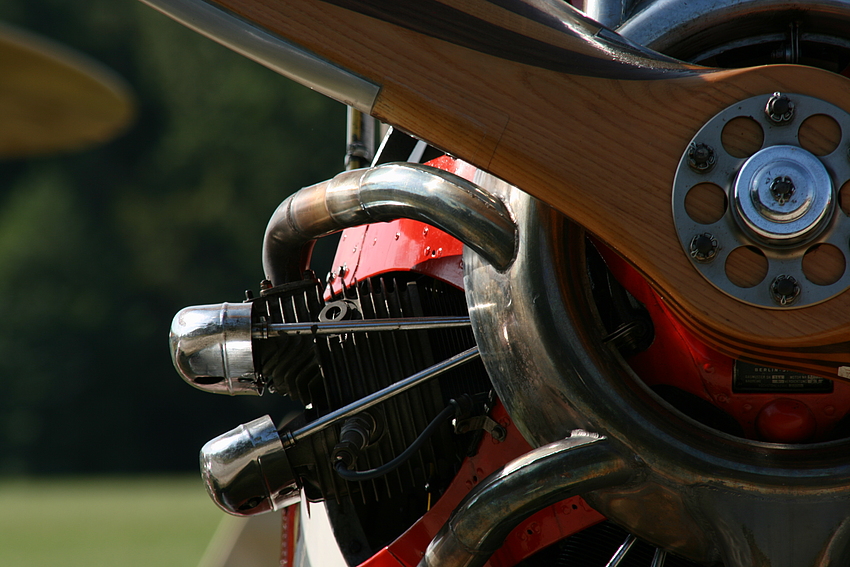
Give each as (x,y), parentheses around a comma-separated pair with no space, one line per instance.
(752,378)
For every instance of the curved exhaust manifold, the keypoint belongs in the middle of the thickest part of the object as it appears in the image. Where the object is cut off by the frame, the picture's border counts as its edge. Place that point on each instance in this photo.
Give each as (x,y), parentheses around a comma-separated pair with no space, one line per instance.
(211,345)
(381,194)
(478,526)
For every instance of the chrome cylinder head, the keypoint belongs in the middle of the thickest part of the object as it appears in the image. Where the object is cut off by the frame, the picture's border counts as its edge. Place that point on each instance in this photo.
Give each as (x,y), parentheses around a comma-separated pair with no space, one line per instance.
(246,470)
(211,348)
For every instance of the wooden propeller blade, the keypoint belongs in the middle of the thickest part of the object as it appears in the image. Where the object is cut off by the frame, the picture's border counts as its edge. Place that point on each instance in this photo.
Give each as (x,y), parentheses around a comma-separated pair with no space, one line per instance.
(551,103)
(53,99)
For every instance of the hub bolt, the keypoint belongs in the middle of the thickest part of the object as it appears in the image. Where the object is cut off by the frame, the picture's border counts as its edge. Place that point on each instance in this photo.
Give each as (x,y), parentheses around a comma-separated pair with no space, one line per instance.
(704,247)
(779,109)
(782,188)
(785,290)
(701,157)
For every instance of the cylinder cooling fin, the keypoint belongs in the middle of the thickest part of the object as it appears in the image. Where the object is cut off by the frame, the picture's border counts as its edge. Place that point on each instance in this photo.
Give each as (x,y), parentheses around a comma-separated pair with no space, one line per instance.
(328,350)
(330,345)
(338,369)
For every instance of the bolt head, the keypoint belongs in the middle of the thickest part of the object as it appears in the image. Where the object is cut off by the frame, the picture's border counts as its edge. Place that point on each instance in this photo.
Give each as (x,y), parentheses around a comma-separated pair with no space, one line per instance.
(701,157)
(703,247)
(782,188)
(779,109)
(784,290)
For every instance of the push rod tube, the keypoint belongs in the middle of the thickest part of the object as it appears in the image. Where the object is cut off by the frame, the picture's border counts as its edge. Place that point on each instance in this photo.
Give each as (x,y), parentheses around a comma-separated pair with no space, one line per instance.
(266,330)
(366,402)
(580,463)
(381,194)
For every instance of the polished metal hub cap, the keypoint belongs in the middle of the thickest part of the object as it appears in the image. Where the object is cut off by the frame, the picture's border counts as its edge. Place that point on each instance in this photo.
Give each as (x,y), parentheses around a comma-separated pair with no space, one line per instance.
(783,195)
(769,203)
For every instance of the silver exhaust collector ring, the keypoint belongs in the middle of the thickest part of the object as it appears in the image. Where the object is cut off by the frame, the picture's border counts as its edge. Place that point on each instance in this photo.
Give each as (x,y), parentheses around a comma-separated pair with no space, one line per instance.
(478,526)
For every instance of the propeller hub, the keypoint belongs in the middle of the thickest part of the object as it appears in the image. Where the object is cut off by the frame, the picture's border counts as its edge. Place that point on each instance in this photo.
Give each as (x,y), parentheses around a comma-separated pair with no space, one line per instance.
(768,201)
(783,195)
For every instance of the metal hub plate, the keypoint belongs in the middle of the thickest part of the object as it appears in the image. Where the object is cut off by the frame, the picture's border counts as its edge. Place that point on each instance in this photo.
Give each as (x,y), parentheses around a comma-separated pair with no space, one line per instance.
(781,223)
(783,194)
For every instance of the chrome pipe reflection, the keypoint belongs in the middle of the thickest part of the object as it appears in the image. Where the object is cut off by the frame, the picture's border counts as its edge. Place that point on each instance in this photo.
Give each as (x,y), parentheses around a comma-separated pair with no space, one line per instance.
(609,13)
(381,194)
(580,463)
(246,470)
(621,553)
(360,132)
(211,348)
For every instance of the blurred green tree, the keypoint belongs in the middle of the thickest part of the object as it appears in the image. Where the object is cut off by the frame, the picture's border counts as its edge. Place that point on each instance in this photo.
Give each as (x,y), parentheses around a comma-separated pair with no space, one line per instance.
(99,249)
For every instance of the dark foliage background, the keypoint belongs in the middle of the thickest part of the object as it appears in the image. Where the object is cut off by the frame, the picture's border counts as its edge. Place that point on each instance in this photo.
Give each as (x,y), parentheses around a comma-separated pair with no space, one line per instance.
(99,249)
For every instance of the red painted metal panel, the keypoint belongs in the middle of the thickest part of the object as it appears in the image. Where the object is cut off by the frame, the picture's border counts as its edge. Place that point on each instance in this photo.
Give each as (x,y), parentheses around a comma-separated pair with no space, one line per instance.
(406,245)
(402,245)
(535,533)
(678,358)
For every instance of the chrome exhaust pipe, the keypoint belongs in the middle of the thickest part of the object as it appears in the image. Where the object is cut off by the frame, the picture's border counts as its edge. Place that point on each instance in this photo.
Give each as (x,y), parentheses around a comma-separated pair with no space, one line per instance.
(381,194)
(580,463)
(211,345)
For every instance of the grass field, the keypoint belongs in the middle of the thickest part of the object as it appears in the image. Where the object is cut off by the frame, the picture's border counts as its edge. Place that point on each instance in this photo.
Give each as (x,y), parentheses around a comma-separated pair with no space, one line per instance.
(105,522)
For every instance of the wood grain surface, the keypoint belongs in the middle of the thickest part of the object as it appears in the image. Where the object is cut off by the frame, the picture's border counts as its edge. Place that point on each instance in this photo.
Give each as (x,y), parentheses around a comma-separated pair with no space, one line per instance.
(577,122)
